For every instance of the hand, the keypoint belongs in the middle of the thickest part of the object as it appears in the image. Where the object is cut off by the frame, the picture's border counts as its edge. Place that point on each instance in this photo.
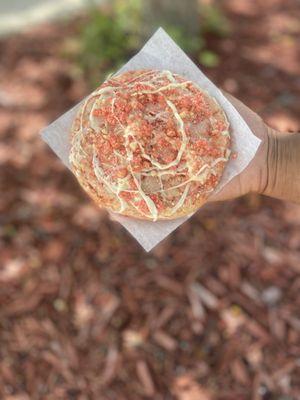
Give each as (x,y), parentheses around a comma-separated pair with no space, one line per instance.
(254,178)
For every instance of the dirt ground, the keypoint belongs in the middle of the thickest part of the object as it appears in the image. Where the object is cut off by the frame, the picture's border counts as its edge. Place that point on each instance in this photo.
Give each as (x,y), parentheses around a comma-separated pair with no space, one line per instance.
(213,313)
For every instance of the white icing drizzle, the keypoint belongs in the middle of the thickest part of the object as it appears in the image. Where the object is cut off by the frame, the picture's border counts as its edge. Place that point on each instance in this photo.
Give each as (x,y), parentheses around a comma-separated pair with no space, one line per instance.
(181,200)
(184,139)
(150,203)
(163,88)
(169,75)
(101,177)
(218,160)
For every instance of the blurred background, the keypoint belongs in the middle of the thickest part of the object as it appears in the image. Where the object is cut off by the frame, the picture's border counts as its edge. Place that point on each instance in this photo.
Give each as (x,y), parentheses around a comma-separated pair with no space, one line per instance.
(213,312)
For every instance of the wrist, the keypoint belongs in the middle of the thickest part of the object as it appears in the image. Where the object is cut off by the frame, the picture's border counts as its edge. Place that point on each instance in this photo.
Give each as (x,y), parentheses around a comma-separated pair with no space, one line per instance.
(259,182)
(266,162)
(281,169)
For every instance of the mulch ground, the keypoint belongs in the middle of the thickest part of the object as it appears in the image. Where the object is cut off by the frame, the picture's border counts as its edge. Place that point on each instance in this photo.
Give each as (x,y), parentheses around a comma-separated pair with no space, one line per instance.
(213,313)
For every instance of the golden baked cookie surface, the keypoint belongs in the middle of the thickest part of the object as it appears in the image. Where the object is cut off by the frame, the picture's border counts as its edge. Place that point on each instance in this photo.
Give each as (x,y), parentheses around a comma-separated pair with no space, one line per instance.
(149,144)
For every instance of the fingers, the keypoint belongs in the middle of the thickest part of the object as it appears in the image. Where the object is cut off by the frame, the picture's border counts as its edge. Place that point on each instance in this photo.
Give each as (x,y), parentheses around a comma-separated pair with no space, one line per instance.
(230,191)
(254,121)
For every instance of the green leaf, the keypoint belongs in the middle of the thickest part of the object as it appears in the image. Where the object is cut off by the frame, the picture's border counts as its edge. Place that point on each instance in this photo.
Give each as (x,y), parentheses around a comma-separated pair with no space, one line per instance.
(213,20)
(209,58)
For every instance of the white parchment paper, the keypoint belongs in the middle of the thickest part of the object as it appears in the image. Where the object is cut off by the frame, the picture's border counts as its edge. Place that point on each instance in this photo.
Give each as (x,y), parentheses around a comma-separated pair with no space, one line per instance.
(161,52)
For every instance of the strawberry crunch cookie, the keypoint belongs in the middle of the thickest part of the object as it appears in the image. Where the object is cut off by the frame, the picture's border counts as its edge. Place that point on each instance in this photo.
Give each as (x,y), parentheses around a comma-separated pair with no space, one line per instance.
(149,144)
